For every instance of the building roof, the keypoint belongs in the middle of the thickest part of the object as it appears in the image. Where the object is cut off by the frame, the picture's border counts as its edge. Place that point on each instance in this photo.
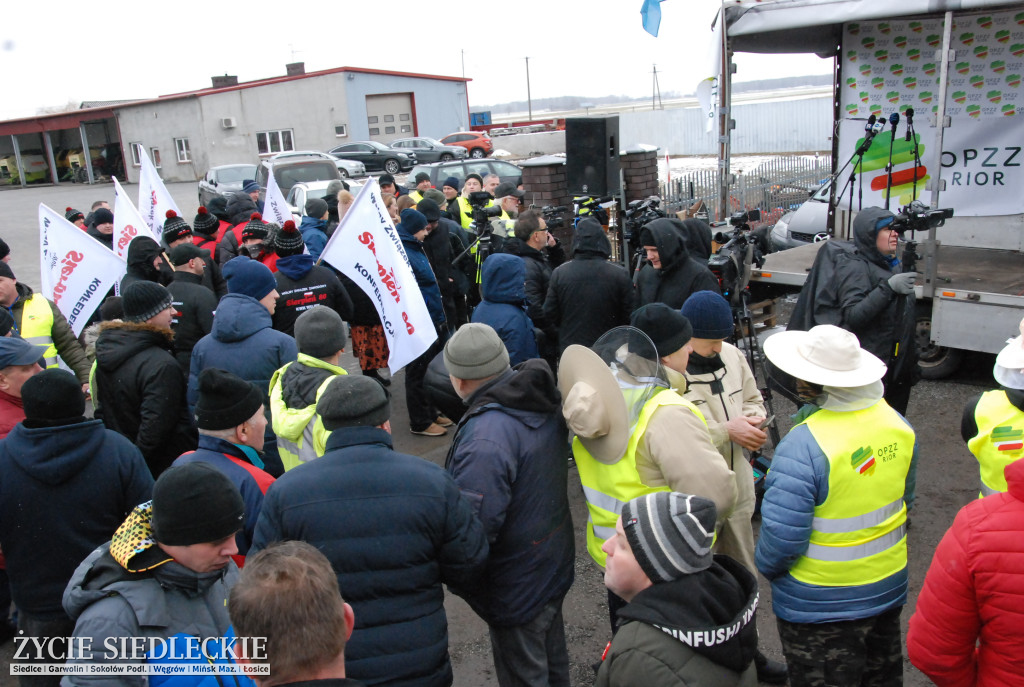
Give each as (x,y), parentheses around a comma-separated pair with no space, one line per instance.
(68,120)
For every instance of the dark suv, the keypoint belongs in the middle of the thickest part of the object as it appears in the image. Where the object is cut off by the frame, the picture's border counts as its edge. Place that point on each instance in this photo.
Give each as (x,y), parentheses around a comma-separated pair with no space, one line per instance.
(376,156)
(291,170)
(439,171)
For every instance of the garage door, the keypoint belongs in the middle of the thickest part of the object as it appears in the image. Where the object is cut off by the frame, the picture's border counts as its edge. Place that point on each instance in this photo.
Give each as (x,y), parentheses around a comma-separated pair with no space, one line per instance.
(389,116)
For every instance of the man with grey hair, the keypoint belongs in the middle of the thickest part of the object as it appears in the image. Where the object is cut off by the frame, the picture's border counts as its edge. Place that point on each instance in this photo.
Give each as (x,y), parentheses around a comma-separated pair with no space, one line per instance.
(491,182)
(394,528)
(690,614)
(229,413)
(508,458)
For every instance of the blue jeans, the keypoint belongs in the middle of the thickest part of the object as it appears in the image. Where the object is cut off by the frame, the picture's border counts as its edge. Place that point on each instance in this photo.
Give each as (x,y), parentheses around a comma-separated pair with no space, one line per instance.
(534,654)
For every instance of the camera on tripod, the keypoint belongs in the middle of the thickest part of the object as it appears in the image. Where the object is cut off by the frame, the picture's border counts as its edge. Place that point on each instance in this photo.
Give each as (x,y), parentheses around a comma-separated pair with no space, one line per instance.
(739,249)
(917,217)
(482,215)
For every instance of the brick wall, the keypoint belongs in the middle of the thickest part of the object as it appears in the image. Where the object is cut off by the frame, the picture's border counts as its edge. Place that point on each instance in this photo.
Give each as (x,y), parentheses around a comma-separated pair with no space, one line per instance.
(545,183)
(640,171)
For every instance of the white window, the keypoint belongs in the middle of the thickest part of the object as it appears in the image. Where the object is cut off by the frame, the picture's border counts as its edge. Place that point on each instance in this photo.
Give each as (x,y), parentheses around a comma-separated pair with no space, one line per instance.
(181,146)
(154,155)
(274,142)
(136,149)
(341,131)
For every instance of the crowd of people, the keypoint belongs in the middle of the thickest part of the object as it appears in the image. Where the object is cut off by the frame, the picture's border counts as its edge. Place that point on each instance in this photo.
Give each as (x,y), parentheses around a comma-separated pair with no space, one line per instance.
(235,483)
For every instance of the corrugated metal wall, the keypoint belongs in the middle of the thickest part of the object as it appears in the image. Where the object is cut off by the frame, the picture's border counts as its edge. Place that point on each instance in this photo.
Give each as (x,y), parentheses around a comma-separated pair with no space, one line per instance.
(779,126)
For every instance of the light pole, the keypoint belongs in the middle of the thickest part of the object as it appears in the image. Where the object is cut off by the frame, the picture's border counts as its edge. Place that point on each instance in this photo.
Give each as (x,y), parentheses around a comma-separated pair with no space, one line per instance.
(529,101)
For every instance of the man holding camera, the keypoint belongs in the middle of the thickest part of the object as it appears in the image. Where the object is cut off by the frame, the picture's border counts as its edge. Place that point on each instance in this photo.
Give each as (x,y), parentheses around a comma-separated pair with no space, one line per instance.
(542,253)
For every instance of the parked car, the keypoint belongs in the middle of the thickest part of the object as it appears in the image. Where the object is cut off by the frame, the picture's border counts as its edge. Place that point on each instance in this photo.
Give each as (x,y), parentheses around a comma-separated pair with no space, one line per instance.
(430,149)
(376,156)
(807,224)
(439,171)
(347,168)
(223,180)
(478,143)
(293,169)
(305,190)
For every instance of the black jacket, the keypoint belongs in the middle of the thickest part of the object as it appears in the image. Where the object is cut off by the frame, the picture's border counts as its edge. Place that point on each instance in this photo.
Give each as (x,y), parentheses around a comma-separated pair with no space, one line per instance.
(588,295)
(849,287)
(680,275)
(140,391)
(539,264)
(239,208)
(394,528)
(64,490)
(508,458)
(194,305)
(301,285)
(142,252)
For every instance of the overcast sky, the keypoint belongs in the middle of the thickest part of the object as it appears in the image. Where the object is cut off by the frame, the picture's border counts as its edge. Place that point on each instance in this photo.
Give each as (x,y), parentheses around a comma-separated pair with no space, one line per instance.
(116,49)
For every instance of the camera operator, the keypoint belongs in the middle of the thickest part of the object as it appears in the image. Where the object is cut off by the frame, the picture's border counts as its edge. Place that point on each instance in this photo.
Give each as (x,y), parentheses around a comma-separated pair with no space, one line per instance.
(672,273)
(462,209)
(864,291)
(542,252)
(508,197)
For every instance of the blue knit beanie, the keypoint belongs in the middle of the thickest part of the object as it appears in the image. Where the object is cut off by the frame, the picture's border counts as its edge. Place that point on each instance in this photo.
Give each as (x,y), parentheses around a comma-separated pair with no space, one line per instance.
(709,314)
(413,221)
(249,277)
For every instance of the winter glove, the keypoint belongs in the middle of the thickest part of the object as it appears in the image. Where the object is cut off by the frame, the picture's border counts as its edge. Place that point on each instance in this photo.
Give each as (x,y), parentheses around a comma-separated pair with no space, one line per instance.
(903,283)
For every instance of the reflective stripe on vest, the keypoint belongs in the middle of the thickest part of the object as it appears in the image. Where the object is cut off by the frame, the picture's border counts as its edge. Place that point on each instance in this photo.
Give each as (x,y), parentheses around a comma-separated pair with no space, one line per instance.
(863,518)
(999,441)
(293,454)
(609,487)
(37,327)
(308,443)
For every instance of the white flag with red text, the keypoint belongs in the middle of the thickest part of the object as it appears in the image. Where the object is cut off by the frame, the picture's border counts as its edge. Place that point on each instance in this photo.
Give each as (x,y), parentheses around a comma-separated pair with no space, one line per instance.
(75,269)
(711,77)
(366,248)
(128,223)
(275,207)
(154,199)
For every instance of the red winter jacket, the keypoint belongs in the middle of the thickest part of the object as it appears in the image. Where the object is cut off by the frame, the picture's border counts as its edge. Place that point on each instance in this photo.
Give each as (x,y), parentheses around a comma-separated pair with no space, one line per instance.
(968,628)
(11,413)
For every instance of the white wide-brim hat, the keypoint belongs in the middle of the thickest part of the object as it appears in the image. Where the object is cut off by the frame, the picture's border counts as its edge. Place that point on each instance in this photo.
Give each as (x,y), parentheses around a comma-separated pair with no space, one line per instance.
(1009,367)
(592,404)
(825,355)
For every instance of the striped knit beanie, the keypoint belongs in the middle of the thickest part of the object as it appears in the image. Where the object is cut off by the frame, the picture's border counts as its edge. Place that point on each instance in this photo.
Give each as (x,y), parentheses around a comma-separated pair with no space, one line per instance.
(670,533)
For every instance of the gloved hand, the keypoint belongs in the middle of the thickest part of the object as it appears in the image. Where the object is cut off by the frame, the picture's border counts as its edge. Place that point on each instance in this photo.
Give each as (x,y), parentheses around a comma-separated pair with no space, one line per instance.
(903,283)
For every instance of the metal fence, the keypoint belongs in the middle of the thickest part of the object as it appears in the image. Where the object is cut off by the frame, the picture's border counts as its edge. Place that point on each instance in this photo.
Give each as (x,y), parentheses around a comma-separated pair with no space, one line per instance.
(775,187)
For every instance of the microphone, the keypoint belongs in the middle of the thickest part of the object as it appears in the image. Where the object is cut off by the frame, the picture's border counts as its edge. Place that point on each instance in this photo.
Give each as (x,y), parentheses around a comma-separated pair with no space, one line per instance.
(870,123)
(910,122)
(879,125)
(894,119)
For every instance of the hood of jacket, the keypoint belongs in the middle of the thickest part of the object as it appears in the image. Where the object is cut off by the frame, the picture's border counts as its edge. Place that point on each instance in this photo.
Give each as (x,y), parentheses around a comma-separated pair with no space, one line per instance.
(106,239)
(303,378)
(120,341)
(53,455)
(142,251)
(711,612)
(309,223)
(24,293)
(865,234)
(590,240)
(528,387)
(408,240)
(697,235)
(240,207)
(670,243)
(239,317)
(504,279)
(295,266)
(133,555)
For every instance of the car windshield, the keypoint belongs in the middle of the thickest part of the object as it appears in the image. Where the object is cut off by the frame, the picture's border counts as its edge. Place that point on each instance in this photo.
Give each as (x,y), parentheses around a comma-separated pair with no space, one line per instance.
(291,174)
(226,176)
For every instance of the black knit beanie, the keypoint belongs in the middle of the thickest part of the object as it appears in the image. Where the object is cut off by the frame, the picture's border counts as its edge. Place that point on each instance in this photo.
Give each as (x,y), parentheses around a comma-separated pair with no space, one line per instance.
(670,533)
(143,300)
(225,400)
(53,395)
(5,250)
(71,214)
(175,228)
(665,326)
(256,228)
(709,315)
(195,503)
(204,223)
(288,241)
(353,401)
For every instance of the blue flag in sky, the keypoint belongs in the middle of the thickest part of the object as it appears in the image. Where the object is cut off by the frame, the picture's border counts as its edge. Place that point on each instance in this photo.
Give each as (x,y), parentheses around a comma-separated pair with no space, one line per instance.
(651,16)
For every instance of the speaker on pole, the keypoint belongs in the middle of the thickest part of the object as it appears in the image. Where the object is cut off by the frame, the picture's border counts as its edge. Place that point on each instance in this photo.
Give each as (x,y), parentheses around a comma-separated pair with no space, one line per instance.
(592,155)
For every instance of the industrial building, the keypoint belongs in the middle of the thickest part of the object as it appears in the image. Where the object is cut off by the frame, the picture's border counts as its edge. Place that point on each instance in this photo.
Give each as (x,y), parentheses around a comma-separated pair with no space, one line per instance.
(230,122)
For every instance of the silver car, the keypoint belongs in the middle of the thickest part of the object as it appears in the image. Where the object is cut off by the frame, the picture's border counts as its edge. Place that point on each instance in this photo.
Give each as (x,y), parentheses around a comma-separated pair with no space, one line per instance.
(224,180)
(303,191)
(807,224)
(346,168)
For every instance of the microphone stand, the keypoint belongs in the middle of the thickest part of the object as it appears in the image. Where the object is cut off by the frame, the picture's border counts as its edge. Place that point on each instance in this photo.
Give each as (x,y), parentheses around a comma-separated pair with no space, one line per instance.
(859,153)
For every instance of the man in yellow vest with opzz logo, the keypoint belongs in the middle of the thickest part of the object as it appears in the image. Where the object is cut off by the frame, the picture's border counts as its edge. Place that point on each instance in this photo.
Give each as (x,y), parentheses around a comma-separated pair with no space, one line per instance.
(833,538)
(38,321)
(993,422)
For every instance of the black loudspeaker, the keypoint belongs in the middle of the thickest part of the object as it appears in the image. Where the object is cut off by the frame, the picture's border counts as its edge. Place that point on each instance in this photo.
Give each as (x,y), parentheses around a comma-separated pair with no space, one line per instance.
(592,155)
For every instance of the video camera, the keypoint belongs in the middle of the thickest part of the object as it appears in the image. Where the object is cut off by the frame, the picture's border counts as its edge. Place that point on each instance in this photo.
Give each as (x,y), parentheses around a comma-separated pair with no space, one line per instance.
(482,215)
(553,216)
(917,217)
(739,249)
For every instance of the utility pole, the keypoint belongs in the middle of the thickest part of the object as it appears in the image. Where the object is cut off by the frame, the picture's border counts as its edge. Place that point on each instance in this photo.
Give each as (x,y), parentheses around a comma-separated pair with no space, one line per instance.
(463,51)
(656,91)
(529,100)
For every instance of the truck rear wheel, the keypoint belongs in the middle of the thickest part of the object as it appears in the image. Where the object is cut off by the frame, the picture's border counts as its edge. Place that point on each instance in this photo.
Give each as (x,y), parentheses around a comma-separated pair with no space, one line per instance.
(936,362)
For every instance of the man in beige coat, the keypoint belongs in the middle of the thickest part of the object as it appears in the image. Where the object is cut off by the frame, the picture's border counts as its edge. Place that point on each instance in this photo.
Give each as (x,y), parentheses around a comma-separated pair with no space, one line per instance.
(720,384)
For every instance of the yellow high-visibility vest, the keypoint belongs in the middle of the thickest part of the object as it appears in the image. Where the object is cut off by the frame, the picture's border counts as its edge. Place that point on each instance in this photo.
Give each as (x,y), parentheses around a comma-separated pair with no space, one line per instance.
(1000,439)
